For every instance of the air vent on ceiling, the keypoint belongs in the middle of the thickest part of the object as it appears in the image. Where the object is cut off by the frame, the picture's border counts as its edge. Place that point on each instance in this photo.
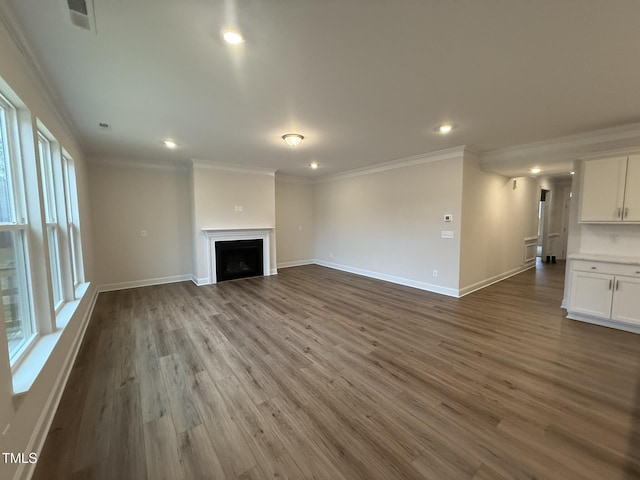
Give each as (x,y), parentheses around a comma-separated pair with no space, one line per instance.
(81,13)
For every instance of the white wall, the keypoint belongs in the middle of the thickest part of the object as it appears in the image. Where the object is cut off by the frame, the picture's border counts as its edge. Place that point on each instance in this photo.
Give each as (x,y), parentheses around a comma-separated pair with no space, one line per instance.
(216,192)
(128,197)
(495,221)
(26,416)
(295,222)
(388,223)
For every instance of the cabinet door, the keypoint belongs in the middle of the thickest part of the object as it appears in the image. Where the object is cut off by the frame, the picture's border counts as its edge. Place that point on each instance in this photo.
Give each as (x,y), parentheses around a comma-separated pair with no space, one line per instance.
(591,294)
(632,190)
(602,195)
(626,300)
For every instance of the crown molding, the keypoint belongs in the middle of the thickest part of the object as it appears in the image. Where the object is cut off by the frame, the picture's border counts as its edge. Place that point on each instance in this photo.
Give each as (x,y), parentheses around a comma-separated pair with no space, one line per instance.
(448,153)
(30,60)
(281,177)
(572,145)
(232,167)
(133,162)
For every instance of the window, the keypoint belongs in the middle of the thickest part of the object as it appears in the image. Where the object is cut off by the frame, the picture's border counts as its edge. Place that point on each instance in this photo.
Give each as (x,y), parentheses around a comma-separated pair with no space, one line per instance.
(14,254)
(73,220)
(49,197)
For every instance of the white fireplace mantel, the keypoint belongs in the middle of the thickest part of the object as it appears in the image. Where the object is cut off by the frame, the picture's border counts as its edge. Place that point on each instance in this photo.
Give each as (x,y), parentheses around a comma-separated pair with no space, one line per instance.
(213,235)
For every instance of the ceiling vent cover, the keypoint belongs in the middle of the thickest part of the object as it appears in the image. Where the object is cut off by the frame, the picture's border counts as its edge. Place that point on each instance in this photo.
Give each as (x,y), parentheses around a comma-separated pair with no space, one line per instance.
(80,13)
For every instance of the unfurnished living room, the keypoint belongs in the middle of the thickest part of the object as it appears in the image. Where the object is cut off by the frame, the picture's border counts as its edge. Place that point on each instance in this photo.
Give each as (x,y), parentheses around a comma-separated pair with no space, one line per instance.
(366,239)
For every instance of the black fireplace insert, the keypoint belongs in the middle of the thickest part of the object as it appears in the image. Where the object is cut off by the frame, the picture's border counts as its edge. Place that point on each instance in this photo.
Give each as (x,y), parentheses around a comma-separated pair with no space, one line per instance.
(238,259)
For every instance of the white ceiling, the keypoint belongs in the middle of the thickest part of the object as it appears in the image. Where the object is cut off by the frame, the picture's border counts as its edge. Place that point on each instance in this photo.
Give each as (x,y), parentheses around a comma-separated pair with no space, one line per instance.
(365,81)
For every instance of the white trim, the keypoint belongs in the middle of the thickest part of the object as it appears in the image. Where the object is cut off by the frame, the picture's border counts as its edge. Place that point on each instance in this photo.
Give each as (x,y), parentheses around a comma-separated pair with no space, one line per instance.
(232,167)
(41,430)
(213,235)
(448,153)
(296,263)
(280,177)
(627,327)
(199,281)
(451,292)
(108,287)
(274,271)
(569,142)
(138,162)
(45,87)
(495,279)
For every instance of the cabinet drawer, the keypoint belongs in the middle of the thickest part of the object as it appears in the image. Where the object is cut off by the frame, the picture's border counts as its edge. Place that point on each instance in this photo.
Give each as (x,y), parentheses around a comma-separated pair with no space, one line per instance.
(602,267)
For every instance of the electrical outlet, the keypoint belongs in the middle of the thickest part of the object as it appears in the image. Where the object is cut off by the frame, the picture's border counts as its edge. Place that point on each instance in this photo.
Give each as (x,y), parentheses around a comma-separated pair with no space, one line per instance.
(143,233)
(446,234)
(435,273)
(448,217)
(238,208)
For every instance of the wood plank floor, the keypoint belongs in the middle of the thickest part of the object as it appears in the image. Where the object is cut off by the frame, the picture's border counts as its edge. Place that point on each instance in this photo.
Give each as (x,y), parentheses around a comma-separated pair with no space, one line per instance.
(316,373)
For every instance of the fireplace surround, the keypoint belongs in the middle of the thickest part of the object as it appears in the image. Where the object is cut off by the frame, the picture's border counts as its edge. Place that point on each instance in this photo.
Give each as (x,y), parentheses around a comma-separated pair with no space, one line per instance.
(214,235)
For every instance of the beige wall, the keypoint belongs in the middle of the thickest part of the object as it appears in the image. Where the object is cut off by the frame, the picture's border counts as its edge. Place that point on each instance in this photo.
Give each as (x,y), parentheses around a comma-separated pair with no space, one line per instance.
(295,222)
(127,198)
(21,417)
(388,224)
(216,192)
(495,221)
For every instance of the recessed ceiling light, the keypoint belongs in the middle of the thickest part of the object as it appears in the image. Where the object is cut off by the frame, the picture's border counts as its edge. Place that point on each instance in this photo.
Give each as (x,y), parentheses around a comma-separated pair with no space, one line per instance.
(444,128)
(292,139)
(170,144)
(232,37)
(313,165)
(536,170)
(572,172)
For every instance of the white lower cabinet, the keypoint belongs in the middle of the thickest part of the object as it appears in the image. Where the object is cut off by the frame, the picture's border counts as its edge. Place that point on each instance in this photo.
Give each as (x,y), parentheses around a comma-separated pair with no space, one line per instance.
(626,300)
(605,293)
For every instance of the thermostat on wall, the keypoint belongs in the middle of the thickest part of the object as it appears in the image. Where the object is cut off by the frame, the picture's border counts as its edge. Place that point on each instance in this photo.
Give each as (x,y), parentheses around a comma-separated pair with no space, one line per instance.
(448,217)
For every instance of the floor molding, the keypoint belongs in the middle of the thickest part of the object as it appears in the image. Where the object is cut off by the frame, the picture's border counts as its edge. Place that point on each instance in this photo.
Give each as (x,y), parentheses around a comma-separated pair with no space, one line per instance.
(109,287)
(41,430)
(429,287)
(495,279)
(296,263)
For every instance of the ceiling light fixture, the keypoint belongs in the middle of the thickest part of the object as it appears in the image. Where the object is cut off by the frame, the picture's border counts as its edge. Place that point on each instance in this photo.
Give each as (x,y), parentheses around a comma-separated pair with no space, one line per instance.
(170,144)
(292,139)
(444,128)
(572,172)
(313,165)
(232,37)
(536,170)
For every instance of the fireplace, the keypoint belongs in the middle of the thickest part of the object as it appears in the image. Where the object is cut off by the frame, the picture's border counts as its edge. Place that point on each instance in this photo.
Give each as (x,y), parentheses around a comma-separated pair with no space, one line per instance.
(237,267)
(238,259)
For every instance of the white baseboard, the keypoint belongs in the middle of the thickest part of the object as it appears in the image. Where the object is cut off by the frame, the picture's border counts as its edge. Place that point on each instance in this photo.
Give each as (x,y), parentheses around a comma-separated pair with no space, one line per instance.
(274,271)
(108,287)
(451,292)
(627,327)
(200,281)
(495,279)
(41,430)
(296,263)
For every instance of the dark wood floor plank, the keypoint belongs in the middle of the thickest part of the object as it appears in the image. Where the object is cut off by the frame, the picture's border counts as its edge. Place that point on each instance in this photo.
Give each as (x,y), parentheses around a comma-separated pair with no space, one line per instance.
(320,374)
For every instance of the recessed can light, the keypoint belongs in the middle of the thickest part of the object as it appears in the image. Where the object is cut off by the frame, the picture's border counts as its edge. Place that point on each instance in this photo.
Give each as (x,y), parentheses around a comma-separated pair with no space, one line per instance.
(572,172)
(536,170)
(233,37)
(444,128)
(313,165)
(170,144)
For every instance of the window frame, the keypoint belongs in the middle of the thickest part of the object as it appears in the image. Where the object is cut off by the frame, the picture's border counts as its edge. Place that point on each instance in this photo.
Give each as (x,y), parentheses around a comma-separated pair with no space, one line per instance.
(17,192)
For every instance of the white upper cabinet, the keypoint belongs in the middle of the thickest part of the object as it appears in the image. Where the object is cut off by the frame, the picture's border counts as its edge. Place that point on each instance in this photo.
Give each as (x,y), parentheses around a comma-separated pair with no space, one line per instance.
(611,190)
(632,190)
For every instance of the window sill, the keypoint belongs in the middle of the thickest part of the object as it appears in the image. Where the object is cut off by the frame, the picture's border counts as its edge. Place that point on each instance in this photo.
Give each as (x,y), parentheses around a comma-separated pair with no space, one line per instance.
(34,361)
